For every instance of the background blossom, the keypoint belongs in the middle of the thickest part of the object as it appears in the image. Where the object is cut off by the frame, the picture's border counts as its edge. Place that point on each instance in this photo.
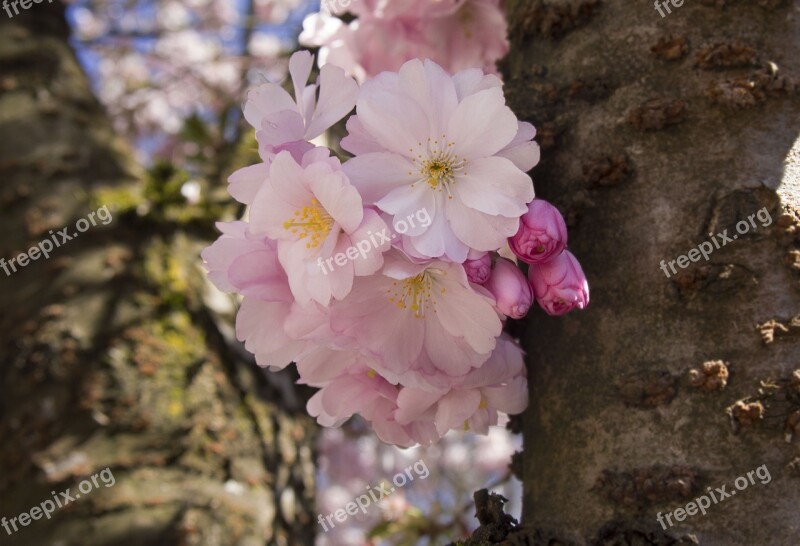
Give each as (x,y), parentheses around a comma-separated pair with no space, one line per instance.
(456,34)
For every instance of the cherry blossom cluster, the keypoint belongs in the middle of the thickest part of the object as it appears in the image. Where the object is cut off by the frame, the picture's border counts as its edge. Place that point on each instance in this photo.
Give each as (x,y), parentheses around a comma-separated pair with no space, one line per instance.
(457,34)
(407,334)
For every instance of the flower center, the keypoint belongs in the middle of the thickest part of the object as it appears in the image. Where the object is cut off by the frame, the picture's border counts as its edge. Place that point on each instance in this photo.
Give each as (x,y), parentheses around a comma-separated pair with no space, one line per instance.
(438,165)
(415,294)
(437,169)
(313,222)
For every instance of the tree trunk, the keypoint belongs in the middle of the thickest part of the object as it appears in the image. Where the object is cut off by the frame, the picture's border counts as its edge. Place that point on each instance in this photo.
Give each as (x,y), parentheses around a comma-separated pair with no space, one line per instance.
(656,132)
(108,356)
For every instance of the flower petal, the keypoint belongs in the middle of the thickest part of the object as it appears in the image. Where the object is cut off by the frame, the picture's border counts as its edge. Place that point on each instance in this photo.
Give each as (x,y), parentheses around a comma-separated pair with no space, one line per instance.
(393,118)
(366,237)
(452,355)
(433,89)
(470,81)
(274,203)
(522,150)
(413,403)
(478,230)
(259,275)
(280,128)
(264,100)
(375,175)
(511,398)
(358,141)
(260,325)
(337,197)
(455,408)
(245,183)
(439,240)
(300,64)
(495,186)
(470,315)
(337,97)
(482,124)
(407,203)
(323,365)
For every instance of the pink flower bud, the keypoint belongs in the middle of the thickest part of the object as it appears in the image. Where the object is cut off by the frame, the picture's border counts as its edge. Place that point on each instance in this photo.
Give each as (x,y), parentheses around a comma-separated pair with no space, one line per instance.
(559,285)
(510,288)
(542,233)
(479,270)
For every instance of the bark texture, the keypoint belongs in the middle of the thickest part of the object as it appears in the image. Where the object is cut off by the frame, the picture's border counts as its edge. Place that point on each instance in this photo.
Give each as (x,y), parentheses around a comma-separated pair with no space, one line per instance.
(656,132)
(110,356)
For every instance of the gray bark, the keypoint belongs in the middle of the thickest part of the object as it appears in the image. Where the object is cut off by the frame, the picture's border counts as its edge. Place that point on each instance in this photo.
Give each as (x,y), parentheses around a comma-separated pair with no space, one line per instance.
(656,132)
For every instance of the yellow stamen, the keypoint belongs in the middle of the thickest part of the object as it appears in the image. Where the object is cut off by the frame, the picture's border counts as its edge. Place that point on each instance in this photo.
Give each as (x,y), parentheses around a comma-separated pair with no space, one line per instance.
(438,166)
(414,293)
(312,221)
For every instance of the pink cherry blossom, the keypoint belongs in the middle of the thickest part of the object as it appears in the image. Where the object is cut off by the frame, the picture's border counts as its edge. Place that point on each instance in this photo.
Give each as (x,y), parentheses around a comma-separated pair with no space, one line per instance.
(246,263)
(401,326)
(440,136)
(542,233)
(471,33)
(510,288)
(318,367)
(315,213)
(245,183)
(357,390)
(260,325)
(286,123)
(559,285)
(382,419)
(365,48)
(522,151)
(360,389)
(474,402)
(455,34)
(237,245)
(414,313)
